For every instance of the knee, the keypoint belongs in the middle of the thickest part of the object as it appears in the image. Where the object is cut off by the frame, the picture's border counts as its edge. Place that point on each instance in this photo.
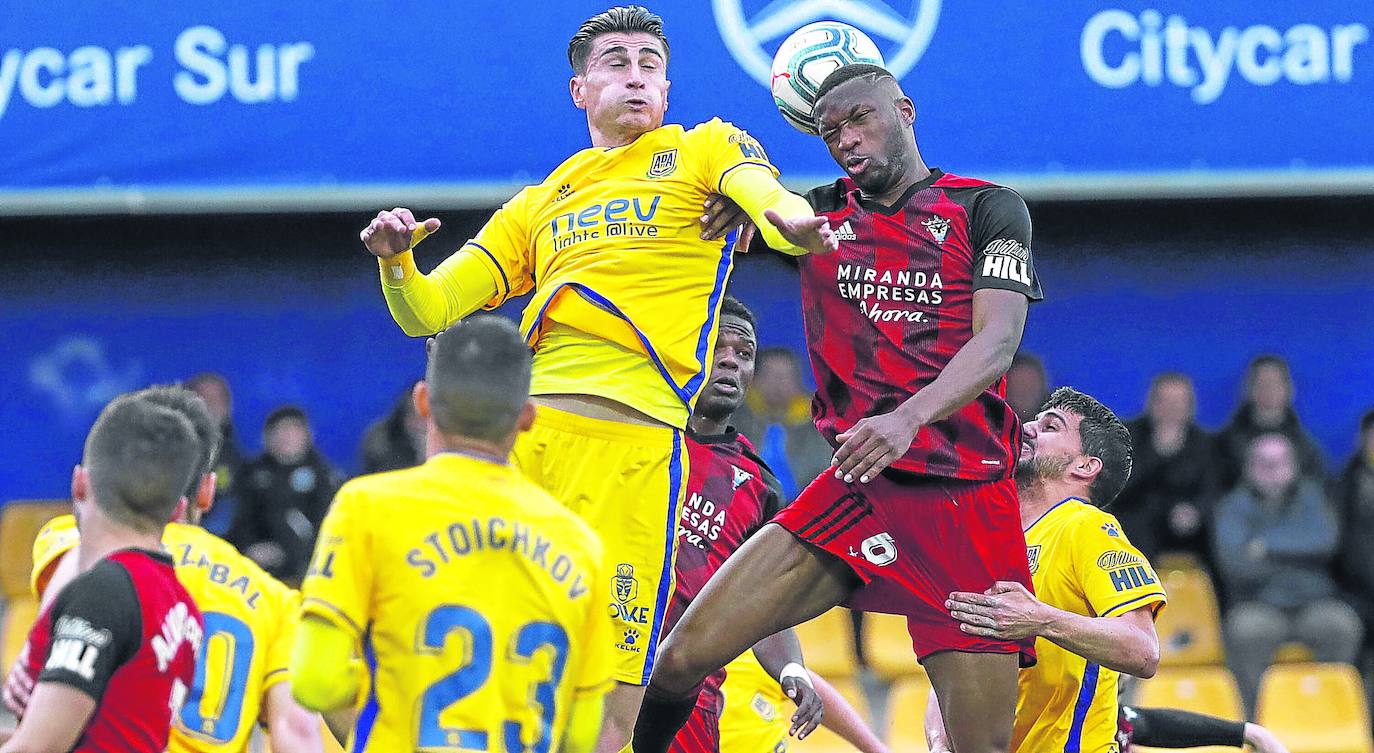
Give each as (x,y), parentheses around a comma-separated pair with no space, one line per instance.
(1332,623)
(1254,625)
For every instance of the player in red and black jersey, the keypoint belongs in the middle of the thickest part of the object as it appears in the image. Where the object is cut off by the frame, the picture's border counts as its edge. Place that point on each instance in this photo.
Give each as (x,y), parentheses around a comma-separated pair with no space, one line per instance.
(115,652)
(912,324)
(731,494)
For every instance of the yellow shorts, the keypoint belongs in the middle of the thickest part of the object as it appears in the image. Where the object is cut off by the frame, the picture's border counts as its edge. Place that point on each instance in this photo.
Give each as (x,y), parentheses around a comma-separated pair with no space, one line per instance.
(628,482)
(757,714)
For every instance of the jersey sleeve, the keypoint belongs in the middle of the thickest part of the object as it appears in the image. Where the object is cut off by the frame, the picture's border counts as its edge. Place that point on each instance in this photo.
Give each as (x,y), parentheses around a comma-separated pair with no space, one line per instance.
(1000,233)
(1116,578)
(338,585)
(57,537)
(284,620)
(721,149)
(97,627)
(505,245)
(598,665)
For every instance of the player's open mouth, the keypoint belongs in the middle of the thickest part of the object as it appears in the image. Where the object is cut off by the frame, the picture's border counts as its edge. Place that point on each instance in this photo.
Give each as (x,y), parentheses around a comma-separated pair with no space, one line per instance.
(727,386)
(855,165)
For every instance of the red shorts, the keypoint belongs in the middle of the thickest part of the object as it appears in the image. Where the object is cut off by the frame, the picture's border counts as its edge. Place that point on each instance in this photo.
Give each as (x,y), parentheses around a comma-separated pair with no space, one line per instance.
(913,540)
(701,733)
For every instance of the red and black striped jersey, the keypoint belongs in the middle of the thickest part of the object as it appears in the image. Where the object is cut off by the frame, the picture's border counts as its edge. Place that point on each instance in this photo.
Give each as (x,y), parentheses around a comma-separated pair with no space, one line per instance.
(731,493)
(887,311)
(126,634)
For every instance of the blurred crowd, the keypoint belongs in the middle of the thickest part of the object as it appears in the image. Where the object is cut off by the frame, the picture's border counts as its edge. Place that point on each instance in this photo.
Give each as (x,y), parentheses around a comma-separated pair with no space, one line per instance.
(1288,542)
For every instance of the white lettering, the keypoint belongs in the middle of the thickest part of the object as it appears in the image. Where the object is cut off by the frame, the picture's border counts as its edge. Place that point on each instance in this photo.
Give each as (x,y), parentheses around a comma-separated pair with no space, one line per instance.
(127,62)
(1216,62)
(91,81)
(197,49)
(38,93)
(1090,46)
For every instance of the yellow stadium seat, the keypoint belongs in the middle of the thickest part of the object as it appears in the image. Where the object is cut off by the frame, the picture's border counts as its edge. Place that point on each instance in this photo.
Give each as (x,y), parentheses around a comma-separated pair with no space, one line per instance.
(825,741)
(1190,626)
(1316,708)
(906,708)
(19,525)
(887,647)
(1205,690)
(1176,561)
(828,644)
(1293,652)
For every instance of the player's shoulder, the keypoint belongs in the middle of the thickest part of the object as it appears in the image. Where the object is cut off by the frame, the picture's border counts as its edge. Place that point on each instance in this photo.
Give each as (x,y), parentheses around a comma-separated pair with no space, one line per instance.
(56,537)
(217,550)
(363,490)
(831,196)
(978,193)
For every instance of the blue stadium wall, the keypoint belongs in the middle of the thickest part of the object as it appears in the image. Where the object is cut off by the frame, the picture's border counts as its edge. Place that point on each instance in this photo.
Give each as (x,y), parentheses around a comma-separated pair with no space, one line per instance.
(291,314)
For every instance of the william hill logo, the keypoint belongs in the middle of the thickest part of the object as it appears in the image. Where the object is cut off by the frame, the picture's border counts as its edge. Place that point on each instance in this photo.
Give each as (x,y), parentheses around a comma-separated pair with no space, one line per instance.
(1126,570)
(630,218)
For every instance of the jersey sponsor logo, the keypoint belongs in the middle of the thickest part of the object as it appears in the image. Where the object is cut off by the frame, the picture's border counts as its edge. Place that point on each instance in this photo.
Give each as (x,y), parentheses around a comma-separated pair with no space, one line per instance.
(874,290)
(749,147)
(880,549)
(74,655)
(564,191)
(845,233)
(1033,558)
(1008,260)
(938,227)
(701,520)
(78,628)
(630,218)
(901,28)
(178,626)
(662,164)
(629,640)
(741,477)
(1127,570)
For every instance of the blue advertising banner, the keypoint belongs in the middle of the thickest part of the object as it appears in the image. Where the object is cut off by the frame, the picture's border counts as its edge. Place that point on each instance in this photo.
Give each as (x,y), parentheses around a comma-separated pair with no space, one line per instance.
(197,106)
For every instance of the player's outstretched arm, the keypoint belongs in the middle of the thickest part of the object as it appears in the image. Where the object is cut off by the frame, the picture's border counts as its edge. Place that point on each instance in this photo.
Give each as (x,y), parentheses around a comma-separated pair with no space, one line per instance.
(780,655)
(999,316)
(785,220)
(424,304)
(845,720)
(1176,728)
(937,739)
(56,717)
(290,727)
(1007,611)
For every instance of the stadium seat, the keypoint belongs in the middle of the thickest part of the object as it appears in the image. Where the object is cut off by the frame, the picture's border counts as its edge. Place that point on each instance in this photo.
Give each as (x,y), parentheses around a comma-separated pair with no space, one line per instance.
(20,522)
(1293,652)
(1190,626)
(1206,690)
(825,741)
(906,708)
(1176,561)
(828,644)
(20,612)
(1316,708)
(887,647)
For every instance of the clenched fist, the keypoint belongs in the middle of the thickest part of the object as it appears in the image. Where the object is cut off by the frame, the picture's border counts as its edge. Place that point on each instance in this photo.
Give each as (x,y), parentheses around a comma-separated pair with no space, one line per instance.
(395,231)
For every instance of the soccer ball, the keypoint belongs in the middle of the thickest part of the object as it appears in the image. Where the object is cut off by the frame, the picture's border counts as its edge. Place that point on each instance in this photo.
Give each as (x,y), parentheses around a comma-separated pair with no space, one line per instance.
(804,60)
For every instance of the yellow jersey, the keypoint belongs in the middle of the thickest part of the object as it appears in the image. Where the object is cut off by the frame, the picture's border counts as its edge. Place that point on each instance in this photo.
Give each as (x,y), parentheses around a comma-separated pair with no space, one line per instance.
(1081,562)
(757,713)
(478,600)
(610,244)
(250,619)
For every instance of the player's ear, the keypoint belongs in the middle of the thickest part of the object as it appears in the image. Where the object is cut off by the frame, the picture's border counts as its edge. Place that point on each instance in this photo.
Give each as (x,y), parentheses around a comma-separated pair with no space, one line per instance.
(180,510)
(526,419)
(420,396)
(575,89)
(907,110)
(1086,467)
(205,492)
(81,484)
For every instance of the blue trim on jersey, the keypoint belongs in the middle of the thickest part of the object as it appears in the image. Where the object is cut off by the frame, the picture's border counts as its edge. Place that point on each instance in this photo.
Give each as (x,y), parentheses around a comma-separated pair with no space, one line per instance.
(504,280)
(362,729)
(1086,692)
(605,304)
(712,306)
(1046,513)
(1151,595)
(665,576)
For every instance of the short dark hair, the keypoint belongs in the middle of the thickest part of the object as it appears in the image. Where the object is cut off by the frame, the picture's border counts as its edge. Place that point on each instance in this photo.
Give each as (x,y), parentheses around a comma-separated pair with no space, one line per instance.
(478,377)
(846,73)
(284,413)
(1367,421)
(1259,362)
(140,457)
(623,18)
(1103,436)
(732,306)
(190,405)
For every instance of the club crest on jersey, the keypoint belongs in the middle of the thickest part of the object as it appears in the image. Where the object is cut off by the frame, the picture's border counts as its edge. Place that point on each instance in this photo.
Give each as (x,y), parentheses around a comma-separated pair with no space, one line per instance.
(741,477)
(1033,558)
(626,585)
(938,227)
(663,163)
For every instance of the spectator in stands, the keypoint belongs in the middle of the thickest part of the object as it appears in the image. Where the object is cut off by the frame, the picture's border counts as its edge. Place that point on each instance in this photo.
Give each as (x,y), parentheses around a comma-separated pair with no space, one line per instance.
(1166,505)
(1267,407)
(1275,540)
(396,440)
(1354,495)
(1028,386)
(283,496)
(214,390)
(777,419)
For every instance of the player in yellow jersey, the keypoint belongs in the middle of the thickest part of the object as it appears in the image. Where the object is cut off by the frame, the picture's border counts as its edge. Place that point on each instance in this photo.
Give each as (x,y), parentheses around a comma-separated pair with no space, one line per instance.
(476,600)
(1096,597)
(626,293)
(241,675)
